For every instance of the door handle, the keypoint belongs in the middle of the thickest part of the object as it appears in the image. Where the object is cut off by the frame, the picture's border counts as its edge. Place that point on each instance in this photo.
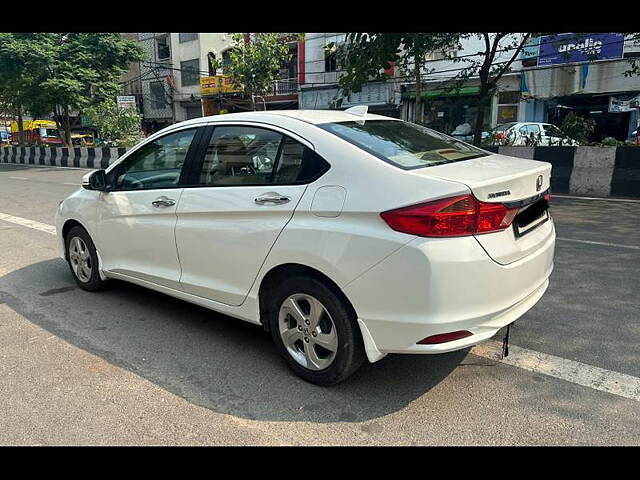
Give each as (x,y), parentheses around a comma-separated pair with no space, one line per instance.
(272,197)
(163,202)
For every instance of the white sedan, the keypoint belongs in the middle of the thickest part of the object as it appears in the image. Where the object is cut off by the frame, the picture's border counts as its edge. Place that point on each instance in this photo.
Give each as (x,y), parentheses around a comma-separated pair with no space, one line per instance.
(529,134)
(346,235)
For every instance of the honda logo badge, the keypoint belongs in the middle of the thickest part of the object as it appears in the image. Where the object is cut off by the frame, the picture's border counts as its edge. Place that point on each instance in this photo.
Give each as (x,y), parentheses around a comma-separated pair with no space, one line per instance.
(539,183)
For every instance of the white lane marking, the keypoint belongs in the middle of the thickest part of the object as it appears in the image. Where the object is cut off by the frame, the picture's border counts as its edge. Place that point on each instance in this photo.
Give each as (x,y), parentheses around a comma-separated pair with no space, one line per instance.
(74,184)
(606,244)
(19,178)
(25,222)
(597,198)
(597,378)
(575,372)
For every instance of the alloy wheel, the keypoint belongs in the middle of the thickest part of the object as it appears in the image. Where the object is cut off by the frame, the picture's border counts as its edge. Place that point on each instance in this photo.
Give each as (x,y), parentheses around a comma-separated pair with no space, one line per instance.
(308,331)
(80,259)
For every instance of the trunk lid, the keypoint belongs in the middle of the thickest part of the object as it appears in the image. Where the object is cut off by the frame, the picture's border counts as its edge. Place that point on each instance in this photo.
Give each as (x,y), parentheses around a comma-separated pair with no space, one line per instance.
(502,179)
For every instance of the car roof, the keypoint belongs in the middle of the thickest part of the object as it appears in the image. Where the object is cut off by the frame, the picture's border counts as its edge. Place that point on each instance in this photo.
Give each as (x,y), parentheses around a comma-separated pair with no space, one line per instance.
(309,116)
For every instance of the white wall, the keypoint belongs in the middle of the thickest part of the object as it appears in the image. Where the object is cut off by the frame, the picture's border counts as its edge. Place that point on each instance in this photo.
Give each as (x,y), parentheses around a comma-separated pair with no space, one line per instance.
(314,44)
(198,48)
(471,46)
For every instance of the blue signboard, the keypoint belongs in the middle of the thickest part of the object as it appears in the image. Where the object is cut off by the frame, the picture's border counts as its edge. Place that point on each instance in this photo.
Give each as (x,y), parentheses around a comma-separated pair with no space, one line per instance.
(580,47)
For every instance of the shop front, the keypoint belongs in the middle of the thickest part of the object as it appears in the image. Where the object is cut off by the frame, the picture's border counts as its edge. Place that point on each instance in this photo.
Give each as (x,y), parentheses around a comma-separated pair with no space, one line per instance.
(611,119)
(446,110)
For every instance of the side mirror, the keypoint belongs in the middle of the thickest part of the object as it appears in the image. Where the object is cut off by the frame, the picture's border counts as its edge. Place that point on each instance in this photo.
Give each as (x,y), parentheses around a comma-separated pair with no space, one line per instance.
(95,181)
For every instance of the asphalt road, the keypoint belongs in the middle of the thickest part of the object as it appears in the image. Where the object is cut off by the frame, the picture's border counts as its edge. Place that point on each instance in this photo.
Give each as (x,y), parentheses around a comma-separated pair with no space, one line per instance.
(129,366)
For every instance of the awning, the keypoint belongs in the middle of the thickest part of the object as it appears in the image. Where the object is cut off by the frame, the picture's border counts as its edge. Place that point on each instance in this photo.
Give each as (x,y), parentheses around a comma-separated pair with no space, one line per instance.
(441,92)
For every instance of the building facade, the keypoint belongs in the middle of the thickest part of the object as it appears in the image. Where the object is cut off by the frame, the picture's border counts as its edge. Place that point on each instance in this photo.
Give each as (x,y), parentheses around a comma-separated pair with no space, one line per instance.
(169,76)
(587,75)
(319,80)
(554,75)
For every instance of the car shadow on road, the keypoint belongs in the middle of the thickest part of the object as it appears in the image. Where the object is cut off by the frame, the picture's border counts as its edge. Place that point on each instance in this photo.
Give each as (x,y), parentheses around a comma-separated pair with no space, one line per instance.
(209,359)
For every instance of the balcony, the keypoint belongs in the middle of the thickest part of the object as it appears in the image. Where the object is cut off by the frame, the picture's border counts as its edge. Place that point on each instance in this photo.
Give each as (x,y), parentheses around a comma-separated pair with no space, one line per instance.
(285,86)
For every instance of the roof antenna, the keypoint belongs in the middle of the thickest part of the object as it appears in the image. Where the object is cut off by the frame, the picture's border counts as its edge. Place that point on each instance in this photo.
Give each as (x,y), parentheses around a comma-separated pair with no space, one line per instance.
(359,110)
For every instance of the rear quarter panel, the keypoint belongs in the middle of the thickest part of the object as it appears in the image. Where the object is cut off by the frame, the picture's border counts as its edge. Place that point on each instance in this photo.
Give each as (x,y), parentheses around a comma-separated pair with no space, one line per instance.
(345,246)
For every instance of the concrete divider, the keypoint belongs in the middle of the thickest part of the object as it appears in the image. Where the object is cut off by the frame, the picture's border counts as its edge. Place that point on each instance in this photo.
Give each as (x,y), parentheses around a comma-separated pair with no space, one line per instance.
(81,157)
(625,181)
(588,171)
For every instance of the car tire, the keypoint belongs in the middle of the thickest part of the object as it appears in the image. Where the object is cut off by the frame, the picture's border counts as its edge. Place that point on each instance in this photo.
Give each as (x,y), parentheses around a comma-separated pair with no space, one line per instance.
(83,259)
(303,343)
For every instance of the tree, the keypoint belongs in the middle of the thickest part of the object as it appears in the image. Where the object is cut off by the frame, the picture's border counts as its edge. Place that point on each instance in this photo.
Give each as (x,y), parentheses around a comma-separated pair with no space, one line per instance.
(488,70)
(578,128)
(254,63)
(18,81)
(119,125)
(67,71)
(366,55)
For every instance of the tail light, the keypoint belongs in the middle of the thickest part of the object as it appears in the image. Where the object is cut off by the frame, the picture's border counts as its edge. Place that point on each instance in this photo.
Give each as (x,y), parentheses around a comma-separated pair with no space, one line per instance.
(501,136)
(450,217)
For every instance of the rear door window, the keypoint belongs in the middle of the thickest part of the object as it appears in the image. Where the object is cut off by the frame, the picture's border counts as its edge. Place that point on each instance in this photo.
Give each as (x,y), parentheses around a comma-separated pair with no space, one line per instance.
(530,129)
(244,156)
(553,131)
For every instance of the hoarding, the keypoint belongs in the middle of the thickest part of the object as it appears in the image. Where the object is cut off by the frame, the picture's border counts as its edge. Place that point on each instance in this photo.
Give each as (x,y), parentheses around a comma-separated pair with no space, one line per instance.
(617,105)
(580,47)
(217,84)
(126,101)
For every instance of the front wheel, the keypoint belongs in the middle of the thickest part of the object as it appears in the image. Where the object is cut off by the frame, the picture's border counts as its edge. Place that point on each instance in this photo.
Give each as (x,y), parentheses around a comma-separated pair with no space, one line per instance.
(83,259)
(315,330)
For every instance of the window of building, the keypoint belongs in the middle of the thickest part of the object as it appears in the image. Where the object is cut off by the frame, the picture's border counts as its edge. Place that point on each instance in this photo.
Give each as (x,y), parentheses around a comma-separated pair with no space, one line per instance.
(226,60)
(187,37)
(158,100)
(190,72)
(193,111)
(508,107)
(330,59)
(441,55)
(162,47)
(211,59)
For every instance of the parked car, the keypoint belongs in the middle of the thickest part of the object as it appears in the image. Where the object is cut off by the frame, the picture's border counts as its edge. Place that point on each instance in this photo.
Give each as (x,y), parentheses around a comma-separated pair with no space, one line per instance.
(346,235)
(530,134)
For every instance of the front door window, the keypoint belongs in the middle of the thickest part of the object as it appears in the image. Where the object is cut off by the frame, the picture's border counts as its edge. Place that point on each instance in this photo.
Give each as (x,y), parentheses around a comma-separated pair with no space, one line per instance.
(157,164)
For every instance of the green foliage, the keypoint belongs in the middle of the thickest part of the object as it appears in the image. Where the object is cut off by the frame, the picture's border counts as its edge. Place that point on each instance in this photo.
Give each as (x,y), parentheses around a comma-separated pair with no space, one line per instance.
(120,126)
(577,127)
(59,72)
(612,142)
(365,56)
(254,66)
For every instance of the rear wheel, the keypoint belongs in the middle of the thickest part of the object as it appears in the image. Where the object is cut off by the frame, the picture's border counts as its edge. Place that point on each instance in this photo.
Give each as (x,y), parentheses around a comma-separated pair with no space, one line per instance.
(83,259)
(315,330)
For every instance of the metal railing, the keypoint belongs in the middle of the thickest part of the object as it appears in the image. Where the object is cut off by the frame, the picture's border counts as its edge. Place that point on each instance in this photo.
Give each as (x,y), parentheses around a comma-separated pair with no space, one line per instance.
(285,86)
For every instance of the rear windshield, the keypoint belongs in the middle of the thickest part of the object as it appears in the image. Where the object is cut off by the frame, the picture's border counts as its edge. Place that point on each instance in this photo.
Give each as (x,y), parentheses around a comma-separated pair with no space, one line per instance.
(403,144)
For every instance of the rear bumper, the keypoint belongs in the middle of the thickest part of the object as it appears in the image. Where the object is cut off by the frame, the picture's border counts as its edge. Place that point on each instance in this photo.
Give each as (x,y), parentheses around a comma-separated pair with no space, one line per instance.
(434,286)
